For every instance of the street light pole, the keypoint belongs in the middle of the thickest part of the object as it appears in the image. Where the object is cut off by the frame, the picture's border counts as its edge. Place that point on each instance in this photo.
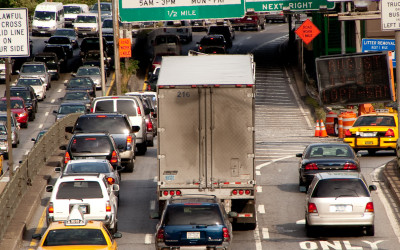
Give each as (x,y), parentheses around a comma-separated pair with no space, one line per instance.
(103,77)
(117,62)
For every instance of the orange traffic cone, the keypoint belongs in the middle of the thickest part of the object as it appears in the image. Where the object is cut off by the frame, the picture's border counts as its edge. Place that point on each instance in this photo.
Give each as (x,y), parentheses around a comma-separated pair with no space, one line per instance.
(323,130)
(317,129)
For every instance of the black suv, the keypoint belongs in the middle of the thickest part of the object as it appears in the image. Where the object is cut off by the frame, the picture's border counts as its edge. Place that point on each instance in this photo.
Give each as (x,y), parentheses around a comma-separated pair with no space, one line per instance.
(61,41)
(225,30)
(29,96)
(52,63)
(91,43)
(117,125)
(212,44)
(92,146)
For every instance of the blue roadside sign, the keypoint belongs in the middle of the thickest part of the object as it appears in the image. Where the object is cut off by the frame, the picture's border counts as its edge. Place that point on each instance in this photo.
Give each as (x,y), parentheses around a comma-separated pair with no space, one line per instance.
(370,45)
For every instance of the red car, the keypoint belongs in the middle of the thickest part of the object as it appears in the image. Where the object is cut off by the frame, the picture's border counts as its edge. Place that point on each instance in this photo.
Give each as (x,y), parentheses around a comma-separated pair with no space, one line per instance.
(18,108)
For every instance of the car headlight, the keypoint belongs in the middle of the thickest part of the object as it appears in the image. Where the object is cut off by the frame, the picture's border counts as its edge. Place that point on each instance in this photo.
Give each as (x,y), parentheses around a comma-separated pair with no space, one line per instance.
(22,114)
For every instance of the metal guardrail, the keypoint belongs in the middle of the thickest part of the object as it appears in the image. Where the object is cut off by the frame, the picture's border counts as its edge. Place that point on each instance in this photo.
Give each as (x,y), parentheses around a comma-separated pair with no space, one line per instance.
(39,155)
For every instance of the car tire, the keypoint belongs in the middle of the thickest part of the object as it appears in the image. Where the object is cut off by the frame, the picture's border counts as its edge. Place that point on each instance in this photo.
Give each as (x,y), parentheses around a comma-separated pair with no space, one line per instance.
(115,228)
(336,127)
(301,185)
(150,143)
(371,151)
(24,125)
(130,166)
(142,148)
(310,230)
(5,156)
(370,230)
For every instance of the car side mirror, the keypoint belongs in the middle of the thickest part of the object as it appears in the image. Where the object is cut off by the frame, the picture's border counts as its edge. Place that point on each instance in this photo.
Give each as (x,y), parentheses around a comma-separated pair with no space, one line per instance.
(233,214)
(372,188)
(73,74)
(57,170)
(135,129)
(155,215)
(299,155)
(63,147)
(55,111)
(49,188)
(117,235)
(69,129)
(46,41)
(115,187)
(36,236)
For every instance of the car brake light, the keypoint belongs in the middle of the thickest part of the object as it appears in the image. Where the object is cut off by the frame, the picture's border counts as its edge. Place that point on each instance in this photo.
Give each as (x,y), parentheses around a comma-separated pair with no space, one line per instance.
(172,192)
(149,126)
(67,158)
(247,192)
(110,180)
(350,166)
(165,193)
(50,208)
(160,235)
(241,192)
(200,48)
(369,207)
(91,110)
(234,192)
(312,208)
(114,158)
(108,206)
(225,231)
(139,112)
(178,192)
(347,133)
(389,133)
(129,140)
(311,166)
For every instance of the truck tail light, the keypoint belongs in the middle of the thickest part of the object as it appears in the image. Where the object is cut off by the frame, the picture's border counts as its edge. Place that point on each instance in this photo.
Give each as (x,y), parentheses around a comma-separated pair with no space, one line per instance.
(350,166)
(149,126)
(312,208)
(369,207)
(114,158)
(226,234)
(347,133)
(311,166)
(160,235)
(50,209)
(67,158)
(108,206)
(389,133)
(241,192)
(172,192)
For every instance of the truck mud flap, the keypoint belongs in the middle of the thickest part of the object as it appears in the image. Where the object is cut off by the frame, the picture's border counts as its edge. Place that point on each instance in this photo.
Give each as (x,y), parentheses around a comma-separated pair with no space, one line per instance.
(246,210)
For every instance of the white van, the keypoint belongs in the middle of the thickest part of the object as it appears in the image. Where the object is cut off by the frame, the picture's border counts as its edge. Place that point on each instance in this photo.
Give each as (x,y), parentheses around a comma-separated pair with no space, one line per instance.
(71,11)
(47,18)
(86,25)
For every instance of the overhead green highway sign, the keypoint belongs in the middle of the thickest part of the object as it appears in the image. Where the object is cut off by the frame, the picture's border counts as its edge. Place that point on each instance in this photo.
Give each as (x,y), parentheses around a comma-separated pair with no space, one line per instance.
(162,10)
(293,5)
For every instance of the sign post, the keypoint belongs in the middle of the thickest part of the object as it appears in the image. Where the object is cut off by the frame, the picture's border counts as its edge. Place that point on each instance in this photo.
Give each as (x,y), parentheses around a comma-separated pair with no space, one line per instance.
(14,42)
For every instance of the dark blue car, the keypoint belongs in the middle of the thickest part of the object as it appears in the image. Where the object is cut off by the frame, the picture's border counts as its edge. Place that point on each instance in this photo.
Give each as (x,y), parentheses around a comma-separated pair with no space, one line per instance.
(194,220)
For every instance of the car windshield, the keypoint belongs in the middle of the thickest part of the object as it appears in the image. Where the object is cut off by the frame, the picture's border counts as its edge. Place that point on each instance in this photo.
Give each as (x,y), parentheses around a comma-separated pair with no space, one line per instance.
(59,40)
(79,83)
(44,15)
(86,19)
(335,188)
(101,124)
(75,236)
(100,145)
(88,71)
(15,104)
(64,33)
(29,82)
(127,107)
(28,68)
(107,23)
(193,215)
(88,167)
(24,94)
(68,109)
(76,96)
(329,151)
(103,7)
(72,10)
(378,120)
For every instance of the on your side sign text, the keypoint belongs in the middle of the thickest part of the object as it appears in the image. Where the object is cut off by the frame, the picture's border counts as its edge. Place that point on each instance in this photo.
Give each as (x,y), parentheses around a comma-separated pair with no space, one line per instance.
(14,33)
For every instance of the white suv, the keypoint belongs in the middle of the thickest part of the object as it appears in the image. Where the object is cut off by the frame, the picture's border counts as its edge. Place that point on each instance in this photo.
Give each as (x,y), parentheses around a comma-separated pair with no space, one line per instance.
(92,192)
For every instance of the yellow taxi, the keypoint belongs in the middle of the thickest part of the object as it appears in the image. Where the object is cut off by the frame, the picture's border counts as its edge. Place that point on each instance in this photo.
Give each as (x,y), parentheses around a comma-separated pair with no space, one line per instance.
(76,233)
(373,132)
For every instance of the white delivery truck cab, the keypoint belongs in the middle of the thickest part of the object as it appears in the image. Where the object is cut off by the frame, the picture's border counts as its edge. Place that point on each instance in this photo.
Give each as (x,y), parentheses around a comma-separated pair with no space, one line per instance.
(206,118)
(47,18)
(71,11)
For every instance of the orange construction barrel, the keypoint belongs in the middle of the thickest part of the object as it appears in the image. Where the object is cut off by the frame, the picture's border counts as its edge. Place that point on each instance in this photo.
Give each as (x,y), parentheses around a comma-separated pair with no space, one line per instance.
(340,125)
(349,118)
(330,123)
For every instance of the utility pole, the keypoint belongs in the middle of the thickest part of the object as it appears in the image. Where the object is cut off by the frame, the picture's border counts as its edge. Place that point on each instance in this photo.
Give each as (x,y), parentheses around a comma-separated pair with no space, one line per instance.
(117,62)
(9,131)
(103,76)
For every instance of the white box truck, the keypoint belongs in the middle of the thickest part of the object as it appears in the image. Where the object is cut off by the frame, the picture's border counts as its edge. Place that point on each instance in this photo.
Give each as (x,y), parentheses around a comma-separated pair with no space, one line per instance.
(206,108)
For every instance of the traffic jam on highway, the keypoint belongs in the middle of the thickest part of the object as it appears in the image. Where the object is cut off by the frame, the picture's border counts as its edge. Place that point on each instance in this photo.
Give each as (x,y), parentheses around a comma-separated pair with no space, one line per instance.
(213,148)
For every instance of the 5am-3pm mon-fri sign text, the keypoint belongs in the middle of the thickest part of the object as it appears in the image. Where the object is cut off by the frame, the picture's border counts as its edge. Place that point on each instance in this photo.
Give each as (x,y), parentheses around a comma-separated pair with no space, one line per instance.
(14,33)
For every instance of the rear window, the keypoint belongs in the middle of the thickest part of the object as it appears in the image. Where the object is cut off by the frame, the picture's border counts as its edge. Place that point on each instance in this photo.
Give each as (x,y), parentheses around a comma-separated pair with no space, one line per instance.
(103,123)
(79,190)
(330,151)
(100,145)
(213,41)
(88,167)
(21,93)
(104,106)
(330,188)
(375,121)
(193,215)
(127,107)
(76,236)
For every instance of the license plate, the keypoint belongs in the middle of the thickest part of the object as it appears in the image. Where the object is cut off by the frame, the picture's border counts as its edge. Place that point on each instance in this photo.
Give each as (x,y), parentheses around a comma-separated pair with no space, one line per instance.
(84,33)
(366,134)
(340,208)
(42,32)
(193,235)
(368,142)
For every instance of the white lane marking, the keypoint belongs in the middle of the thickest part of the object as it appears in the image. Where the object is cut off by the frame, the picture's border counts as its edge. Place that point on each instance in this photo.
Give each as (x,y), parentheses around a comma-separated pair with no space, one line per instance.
(259,189)
(147,239)
(257,237)
(265,233)
(298,101)
(41,126)
(46,114)
(249,37)
(59,90)
(155,179)
(267,163)
(261,209)
(258,173)
(388,208)
(152,205)
(301,222)
(53,101)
